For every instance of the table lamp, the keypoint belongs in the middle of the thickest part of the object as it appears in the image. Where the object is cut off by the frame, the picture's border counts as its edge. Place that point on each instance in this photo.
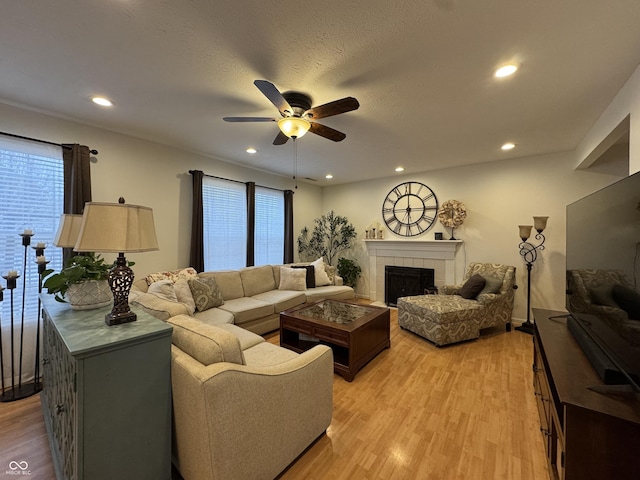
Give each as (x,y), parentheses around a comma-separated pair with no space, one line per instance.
(117,228)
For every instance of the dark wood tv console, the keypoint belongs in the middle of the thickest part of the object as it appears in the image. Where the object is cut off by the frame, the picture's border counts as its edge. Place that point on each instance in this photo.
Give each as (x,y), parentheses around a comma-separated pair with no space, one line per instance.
(587,435)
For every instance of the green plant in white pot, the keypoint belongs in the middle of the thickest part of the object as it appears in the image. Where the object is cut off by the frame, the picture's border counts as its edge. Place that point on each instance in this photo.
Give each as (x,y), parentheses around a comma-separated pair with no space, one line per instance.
(82,282)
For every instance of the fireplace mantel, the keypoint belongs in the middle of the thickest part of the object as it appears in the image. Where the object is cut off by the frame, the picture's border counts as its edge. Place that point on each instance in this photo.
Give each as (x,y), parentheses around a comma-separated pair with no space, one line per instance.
(437,254)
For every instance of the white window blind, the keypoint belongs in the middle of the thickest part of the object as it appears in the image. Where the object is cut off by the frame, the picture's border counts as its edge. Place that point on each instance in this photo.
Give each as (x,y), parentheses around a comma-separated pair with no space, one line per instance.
(269,227)
(31,197)
(224,224)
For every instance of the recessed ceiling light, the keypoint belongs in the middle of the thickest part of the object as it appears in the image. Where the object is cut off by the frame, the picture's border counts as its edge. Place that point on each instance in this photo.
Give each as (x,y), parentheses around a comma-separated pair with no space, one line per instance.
(103,102)
(506,70)
(399,169)
(329,176)
(508,146)
(251,150)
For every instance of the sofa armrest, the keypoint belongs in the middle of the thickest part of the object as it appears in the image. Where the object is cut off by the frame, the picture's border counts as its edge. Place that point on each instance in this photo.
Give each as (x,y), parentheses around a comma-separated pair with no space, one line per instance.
(337,280)
(235,421)
(449,289)
(158,307)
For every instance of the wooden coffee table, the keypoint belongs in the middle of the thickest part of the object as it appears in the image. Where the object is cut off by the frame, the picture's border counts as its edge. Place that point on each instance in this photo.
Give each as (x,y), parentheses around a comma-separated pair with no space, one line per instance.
(356,333)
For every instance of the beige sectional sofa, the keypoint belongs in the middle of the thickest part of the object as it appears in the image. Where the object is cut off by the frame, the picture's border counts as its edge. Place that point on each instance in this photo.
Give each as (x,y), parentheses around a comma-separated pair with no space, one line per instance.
(252,297)
(243,408)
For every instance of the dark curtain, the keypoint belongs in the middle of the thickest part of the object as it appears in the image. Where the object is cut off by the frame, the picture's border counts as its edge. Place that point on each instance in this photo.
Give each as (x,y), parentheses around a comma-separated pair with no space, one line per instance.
(251,222)
(288,226)
(77,183)
(196,256)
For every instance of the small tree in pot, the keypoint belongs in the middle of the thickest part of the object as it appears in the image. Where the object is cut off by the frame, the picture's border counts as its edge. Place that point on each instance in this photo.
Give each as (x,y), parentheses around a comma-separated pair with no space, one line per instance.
(331,235)
(349,270)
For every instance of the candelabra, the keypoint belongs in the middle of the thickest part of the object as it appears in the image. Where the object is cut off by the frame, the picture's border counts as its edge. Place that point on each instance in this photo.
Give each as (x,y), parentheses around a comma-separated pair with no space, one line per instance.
(19,391)
(529,253)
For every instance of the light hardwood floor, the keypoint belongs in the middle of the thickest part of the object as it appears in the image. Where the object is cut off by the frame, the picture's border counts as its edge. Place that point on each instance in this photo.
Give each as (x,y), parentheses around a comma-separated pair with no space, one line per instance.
(466,411)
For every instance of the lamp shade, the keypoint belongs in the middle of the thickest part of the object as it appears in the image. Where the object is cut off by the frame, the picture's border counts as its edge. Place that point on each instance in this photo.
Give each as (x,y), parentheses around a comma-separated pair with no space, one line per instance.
(68,230)
(116,228)
(294,127)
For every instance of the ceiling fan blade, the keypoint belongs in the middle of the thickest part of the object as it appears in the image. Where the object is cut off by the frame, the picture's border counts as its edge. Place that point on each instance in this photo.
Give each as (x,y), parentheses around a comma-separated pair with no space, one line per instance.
(327,132)
(270,91)
(280,139)
(249,119)
(333,108)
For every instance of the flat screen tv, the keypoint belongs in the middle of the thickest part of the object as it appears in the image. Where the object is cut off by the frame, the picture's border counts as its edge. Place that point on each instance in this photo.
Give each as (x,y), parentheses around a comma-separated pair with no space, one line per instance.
(603,299)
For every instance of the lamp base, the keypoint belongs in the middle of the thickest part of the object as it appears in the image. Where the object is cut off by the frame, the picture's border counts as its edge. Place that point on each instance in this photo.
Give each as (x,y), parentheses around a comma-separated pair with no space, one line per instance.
(526,327)
(119,318)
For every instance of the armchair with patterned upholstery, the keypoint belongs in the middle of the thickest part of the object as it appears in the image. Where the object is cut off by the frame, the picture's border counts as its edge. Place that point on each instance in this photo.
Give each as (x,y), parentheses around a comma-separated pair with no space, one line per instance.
(450,317)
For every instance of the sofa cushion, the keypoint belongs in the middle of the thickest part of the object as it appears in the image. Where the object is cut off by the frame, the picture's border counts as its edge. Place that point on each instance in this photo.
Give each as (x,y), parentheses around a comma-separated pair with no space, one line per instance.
(257,280)
(229,282)
(206,343)
(206,293)
(335,292)
(173,275)
(247,339)
(247,308)
(163,289)
(214,316)
(311,274)
(267,354)
(321,275)
(292,279)
(282,299)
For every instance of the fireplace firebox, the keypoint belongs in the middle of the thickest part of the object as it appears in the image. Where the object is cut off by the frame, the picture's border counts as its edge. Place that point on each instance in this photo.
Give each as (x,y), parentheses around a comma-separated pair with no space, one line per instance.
(406,282)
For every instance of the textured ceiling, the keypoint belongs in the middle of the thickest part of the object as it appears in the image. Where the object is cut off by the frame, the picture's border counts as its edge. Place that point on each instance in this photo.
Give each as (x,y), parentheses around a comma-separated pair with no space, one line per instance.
(421,70)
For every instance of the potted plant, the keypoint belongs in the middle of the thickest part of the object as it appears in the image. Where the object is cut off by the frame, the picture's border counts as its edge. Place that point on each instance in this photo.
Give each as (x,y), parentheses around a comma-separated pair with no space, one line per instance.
(349,270)
(82,282)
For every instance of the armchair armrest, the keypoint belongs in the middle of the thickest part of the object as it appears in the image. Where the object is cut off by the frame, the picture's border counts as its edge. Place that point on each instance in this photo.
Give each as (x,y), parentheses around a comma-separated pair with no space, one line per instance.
(449,289)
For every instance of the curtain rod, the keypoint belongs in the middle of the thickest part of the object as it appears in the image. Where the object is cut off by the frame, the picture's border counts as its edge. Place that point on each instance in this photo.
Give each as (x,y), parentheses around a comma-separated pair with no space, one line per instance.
(93,152)
(236,181)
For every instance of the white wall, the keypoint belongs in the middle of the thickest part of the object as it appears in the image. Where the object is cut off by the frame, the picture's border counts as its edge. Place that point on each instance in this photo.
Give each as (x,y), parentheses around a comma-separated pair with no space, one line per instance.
(626,103)
(153,175)
(499,196)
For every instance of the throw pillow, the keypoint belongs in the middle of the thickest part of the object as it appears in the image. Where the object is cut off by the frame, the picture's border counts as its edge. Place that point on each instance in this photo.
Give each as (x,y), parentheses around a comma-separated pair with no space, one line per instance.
(183,294)
(173,275)
(206,293)
(311,274)
(628,299)
(163,289)
(492,284)
(321,275)
(472,287)
(292,279)
(603,295)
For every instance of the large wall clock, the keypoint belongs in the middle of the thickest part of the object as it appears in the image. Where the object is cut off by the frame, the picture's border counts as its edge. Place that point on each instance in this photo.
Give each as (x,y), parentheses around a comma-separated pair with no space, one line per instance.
(410,209)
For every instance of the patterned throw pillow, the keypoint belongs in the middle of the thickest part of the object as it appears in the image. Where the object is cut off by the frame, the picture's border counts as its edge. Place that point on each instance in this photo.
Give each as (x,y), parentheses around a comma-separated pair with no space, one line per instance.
(173,275)
(206,293)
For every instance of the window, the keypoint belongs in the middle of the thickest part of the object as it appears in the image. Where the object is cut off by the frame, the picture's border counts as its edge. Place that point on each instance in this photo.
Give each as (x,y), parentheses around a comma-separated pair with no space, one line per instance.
(269,227)
(31,197)
(224,224)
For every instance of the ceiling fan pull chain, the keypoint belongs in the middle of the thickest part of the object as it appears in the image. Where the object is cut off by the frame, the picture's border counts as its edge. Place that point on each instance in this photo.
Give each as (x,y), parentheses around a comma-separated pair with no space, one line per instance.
(295,163)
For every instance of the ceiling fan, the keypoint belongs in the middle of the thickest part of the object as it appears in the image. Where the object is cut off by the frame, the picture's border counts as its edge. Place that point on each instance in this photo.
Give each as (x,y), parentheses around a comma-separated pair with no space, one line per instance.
(297,115)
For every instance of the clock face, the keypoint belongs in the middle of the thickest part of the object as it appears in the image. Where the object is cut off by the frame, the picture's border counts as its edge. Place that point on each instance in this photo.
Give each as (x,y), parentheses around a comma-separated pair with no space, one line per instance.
(410,209)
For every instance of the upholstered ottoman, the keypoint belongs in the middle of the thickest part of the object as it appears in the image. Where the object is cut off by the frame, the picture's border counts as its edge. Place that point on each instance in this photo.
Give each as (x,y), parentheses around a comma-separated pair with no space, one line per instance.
(443,319)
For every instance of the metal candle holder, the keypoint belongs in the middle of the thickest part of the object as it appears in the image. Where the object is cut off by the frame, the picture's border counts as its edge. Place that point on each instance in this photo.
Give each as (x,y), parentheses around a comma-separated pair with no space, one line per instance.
(20,391)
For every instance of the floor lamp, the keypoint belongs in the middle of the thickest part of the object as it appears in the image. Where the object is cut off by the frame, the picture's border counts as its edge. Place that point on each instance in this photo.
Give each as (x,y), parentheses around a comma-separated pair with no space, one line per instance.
(529,253)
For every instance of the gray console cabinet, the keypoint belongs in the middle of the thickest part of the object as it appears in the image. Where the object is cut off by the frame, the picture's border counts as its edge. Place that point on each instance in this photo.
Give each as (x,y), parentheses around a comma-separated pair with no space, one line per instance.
(106,394)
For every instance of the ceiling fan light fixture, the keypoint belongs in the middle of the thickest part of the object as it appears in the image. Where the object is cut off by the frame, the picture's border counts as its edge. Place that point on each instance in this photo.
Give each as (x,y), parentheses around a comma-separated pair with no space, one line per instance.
(294,127)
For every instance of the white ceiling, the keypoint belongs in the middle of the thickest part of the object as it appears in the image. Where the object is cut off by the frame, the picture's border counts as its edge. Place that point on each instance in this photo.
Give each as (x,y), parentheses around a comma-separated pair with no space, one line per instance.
(421,70)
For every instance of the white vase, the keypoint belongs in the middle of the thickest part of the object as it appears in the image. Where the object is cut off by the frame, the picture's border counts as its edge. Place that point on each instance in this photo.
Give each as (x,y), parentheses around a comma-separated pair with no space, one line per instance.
(89,294)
